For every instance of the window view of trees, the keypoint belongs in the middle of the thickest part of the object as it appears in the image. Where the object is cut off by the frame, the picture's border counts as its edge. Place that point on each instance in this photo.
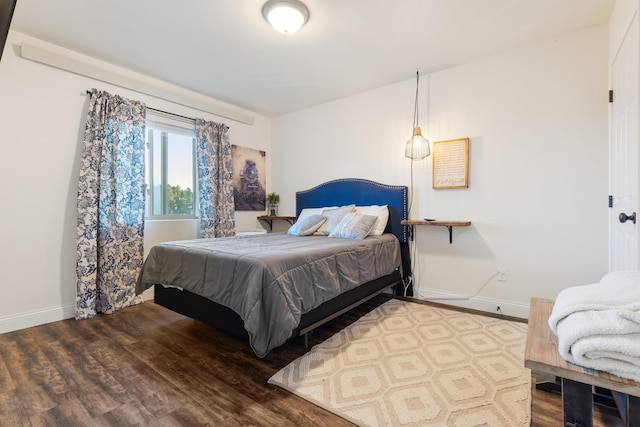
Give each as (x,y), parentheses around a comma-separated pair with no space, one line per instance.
(170,173)
(179,201)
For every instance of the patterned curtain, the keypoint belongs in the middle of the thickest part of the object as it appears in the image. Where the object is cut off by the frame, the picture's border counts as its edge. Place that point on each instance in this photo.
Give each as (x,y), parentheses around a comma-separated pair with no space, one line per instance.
(111,205)
(215,189)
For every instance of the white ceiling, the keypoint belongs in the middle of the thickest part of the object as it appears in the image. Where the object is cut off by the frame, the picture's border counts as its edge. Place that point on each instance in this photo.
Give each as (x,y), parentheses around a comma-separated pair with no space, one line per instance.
(225,49)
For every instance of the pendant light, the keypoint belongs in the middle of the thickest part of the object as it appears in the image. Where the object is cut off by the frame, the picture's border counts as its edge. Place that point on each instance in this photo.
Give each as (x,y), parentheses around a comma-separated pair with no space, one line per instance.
(286,16)
(417,148)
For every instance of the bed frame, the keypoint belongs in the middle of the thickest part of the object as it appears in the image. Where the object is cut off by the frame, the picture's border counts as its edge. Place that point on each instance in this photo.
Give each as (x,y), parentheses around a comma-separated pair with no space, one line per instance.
(339,192)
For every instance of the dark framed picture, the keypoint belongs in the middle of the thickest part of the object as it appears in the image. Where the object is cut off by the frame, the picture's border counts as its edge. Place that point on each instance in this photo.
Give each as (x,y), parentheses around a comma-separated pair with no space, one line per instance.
(6,13)
(249,178)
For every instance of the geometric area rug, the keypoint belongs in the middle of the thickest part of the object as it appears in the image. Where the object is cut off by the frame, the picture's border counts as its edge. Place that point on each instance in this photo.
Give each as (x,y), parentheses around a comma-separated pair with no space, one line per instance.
(409,364)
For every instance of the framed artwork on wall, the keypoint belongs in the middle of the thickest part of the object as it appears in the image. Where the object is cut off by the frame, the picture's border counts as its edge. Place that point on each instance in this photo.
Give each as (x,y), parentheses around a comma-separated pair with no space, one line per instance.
(451,164)
(6,12)
(249,178)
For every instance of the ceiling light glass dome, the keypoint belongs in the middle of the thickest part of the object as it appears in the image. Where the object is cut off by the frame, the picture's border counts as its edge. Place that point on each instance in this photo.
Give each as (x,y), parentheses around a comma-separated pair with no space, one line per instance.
(286,16)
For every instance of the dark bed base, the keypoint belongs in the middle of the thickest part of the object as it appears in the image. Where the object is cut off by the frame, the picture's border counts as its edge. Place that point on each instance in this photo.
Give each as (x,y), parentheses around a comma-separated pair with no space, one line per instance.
(226,320)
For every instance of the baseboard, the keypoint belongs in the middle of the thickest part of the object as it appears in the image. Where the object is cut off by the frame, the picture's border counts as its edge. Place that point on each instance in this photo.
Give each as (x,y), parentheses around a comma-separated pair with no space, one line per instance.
(35,318)
(148,294)
(48,315)
(54,314)
(488,305)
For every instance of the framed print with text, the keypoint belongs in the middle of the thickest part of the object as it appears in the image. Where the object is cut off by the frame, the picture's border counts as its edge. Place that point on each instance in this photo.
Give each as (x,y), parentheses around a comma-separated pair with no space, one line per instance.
(451,164)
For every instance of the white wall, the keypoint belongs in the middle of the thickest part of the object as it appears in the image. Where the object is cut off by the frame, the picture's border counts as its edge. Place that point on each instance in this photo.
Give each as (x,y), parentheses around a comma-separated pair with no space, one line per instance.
(42,112)
(621,18)
(537,119)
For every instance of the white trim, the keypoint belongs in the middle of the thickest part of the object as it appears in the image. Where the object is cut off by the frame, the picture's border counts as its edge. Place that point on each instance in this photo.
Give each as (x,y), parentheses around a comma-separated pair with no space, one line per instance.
(48,315)
(477,303)
(149,294)
(35,318)
(99,70)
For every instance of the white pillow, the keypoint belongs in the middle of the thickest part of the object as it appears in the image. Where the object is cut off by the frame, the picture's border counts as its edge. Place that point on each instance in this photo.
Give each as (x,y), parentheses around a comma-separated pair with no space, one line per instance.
(382,212)
(306,226)
(354,226)
(313,211)
(334,216)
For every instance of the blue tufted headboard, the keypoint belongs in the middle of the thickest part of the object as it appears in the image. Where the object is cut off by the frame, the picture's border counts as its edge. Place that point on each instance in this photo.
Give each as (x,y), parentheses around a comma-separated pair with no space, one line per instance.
(361,192)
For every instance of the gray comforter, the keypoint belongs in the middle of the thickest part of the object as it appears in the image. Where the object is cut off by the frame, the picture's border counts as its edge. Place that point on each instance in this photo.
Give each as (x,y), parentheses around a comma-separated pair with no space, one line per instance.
(270,280)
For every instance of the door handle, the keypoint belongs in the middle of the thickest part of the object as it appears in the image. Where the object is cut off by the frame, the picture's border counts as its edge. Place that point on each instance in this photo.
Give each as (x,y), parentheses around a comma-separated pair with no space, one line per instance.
(623,217)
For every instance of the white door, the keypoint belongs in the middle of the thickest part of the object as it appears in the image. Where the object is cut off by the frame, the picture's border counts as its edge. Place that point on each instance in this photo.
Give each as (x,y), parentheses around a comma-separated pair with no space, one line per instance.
(623,253)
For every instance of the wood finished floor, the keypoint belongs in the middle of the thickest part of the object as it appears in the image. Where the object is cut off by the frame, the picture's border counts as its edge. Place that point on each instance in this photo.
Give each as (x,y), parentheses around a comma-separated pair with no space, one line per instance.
(148,366)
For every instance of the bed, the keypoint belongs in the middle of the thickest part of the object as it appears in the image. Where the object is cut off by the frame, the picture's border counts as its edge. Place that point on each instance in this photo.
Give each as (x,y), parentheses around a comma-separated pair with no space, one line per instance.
(266,295)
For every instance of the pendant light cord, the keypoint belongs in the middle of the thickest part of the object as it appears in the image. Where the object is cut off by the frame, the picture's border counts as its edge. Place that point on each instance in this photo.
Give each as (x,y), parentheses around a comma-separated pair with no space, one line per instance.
(415,109)
(408,281)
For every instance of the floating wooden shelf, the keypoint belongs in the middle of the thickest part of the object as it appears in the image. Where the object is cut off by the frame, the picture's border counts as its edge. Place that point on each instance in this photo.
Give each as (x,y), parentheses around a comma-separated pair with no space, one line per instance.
(270,218)
(448,224)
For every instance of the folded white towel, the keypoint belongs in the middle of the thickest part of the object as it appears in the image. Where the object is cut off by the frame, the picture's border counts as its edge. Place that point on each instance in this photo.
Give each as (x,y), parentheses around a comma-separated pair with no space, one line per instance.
(614,291)
(598,325)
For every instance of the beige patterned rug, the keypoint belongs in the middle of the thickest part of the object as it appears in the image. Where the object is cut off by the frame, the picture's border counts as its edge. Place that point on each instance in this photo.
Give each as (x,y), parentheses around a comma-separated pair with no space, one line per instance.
(410,364)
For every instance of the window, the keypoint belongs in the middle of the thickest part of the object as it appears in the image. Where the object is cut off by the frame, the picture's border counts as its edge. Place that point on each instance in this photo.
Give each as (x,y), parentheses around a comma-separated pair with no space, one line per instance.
(171,181)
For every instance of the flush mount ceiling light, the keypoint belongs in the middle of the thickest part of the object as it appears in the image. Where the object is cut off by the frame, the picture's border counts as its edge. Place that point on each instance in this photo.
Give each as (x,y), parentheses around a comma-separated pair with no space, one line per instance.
(286,16)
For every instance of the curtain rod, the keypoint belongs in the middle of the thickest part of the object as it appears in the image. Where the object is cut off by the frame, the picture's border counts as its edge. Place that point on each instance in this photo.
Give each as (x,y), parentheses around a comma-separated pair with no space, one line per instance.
(155,110)
(163,112)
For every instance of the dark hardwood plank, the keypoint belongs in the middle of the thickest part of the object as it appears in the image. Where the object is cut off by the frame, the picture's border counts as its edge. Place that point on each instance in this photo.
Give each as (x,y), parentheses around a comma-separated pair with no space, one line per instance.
(38,383)
(195,415)
(69,413)
(132,413)
(12,411)
(146,365)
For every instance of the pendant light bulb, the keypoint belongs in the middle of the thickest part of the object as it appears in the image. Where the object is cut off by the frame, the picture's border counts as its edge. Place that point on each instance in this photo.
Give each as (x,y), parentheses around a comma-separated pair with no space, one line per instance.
(417,148)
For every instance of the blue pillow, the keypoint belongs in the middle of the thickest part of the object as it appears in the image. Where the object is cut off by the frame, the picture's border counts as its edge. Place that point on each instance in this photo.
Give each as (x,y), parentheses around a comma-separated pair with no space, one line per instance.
(307,226)
(354,226)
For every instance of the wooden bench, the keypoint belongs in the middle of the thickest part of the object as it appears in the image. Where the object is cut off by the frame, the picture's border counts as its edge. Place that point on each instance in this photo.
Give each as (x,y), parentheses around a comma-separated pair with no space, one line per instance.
(577,383)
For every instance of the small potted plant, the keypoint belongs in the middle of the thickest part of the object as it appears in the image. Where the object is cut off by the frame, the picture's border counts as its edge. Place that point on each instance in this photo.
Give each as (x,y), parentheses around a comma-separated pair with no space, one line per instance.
(272,203)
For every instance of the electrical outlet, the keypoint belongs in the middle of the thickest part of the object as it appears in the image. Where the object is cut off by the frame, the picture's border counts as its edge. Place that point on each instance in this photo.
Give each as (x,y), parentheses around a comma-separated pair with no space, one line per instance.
(502,274)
